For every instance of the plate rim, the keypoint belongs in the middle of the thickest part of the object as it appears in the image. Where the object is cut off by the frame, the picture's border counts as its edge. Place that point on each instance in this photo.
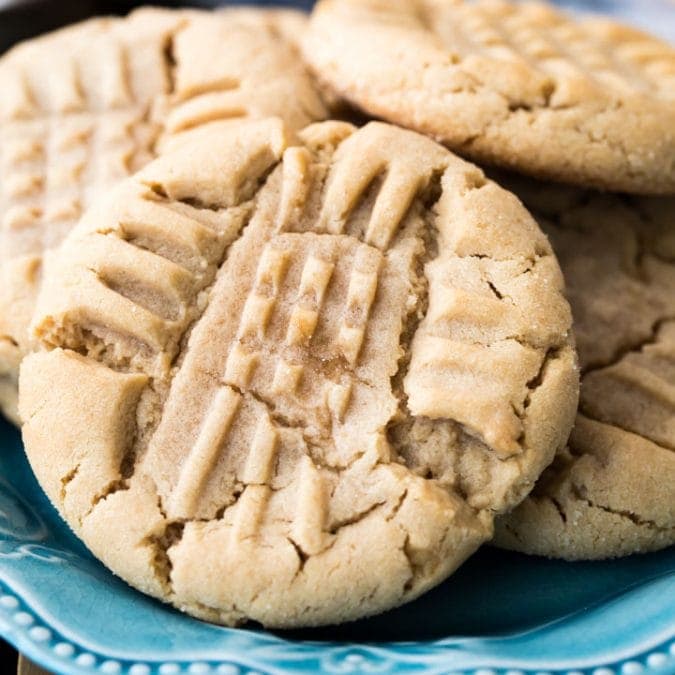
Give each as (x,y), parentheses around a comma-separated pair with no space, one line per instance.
(29,632)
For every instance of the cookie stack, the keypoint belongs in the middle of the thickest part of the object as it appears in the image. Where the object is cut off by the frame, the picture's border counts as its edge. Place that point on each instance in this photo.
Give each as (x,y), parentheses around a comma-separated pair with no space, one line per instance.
(281,367)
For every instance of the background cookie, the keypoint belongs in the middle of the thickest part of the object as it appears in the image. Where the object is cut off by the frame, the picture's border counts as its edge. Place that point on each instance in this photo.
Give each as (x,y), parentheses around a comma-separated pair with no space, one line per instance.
(86,106)
(611,492)
(294,381)
(516,84)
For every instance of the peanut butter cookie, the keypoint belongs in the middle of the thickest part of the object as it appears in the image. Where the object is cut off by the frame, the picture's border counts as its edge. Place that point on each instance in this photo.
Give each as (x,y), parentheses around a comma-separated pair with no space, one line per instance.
(294,379)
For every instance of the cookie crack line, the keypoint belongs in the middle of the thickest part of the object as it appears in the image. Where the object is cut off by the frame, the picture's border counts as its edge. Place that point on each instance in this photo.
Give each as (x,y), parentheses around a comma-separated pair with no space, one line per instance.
(171,535)
(634,348)
(551,354)
(577,493)
(68,478)
(559,508)
(173,530)
(514,108)
(313,442)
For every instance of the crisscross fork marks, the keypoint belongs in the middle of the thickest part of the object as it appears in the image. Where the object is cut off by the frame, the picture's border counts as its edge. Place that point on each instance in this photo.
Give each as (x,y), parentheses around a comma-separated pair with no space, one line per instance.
(545,40)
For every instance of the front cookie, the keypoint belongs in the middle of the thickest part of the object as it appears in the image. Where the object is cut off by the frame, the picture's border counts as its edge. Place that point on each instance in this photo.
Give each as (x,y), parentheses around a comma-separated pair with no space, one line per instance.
(518,85)
(293,381)
(611,492)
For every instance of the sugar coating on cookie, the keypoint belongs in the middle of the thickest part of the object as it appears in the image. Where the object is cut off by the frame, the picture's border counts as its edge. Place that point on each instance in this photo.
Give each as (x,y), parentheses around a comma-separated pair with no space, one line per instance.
(294,380)
(519,85)
(88,105)
(611,492)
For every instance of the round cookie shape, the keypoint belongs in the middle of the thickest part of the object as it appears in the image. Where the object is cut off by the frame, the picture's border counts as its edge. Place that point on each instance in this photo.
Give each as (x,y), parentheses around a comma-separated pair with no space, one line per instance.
(611,491)
(518,85)
(86,106)
(293,380)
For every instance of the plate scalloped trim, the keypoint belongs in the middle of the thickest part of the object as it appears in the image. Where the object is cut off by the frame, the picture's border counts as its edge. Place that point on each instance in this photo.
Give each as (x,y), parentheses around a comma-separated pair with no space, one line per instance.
(31,634)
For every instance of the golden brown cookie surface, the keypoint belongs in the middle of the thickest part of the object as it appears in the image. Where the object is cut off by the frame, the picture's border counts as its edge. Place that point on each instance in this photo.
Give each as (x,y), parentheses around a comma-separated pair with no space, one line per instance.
(313,370)
(515,84)
(612,491)
(86,106)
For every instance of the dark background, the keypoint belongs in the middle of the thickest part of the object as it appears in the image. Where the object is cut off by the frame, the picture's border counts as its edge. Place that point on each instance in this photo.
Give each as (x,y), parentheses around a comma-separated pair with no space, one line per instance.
(7,656)
(25,18)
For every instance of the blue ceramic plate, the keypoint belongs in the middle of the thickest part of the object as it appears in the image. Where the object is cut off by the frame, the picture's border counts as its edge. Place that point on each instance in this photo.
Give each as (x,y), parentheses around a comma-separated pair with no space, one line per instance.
(501,614)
